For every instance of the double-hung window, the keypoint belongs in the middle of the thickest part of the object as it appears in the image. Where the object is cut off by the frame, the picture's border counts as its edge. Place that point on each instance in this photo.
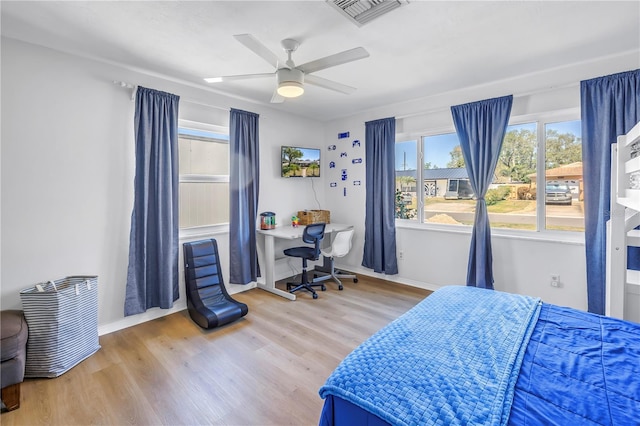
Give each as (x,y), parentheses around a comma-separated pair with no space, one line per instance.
(537,184)
(204,175)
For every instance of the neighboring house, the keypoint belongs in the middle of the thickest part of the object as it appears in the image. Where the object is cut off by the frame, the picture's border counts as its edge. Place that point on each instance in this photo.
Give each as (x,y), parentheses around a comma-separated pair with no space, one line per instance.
(571,174)
(450,183)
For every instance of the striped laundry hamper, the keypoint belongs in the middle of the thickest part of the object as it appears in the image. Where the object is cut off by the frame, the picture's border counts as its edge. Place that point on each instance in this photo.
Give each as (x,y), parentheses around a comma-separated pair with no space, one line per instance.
(62,316)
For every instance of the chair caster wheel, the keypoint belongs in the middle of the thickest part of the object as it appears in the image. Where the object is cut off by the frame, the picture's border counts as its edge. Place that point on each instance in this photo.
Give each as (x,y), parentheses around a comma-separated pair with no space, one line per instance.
(315,295)
(323,288)
(340,287)
(355,280)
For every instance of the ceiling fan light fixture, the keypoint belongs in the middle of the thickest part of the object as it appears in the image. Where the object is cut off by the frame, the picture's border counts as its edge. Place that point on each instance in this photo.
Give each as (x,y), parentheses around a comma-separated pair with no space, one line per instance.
(290,89)
(290,82)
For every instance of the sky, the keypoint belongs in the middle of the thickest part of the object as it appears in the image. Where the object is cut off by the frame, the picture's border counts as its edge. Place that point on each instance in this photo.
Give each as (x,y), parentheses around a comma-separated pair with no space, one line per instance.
(438,147)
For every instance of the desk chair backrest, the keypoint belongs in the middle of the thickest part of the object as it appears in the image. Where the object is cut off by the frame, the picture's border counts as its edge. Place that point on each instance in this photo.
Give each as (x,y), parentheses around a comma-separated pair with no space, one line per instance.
(313,234)
(341,243)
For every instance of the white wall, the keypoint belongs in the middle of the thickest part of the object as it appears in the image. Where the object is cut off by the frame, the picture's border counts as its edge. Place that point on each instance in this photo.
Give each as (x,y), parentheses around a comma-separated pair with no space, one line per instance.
(435,256)
(68,168)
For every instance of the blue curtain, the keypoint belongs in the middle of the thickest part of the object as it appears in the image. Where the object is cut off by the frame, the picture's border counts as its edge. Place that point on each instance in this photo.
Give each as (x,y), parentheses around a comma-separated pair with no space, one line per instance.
(610,107)
(245,186)
(152,276)
(481,127)
(379,223)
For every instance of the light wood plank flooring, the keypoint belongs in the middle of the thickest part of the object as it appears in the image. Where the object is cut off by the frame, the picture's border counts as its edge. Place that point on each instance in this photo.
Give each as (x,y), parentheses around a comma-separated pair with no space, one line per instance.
(265,369)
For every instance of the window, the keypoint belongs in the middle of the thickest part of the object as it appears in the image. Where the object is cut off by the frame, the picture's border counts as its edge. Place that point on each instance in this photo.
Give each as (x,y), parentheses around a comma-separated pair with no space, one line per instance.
(564,197)
(406,178)
(204,177)
(513,202)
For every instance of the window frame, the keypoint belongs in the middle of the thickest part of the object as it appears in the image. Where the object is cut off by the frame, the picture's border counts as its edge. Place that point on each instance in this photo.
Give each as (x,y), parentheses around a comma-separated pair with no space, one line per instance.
(541,233)
(210,229)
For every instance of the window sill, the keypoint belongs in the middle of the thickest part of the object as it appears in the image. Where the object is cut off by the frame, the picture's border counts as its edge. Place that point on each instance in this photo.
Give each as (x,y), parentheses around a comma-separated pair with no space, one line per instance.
(203,231)
(573,238)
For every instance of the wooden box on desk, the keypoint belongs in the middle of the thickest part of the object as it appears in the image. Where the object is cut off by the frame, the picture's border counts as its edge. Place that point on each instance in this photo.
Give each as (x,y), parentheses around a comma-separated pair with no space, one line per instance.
(307,217)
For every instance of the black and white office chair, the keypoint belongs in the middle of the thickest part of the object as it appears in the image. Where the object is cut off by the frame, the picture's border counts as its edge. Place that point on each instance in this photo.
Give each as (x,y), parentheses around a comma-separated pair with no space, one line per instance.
(340,247)
(312,234)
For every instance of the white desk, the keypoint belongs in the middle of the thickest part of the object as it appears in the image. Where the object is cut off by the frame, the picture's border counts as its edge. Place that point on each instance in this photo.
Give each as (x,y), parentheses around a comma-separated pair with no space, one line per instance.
(267,256)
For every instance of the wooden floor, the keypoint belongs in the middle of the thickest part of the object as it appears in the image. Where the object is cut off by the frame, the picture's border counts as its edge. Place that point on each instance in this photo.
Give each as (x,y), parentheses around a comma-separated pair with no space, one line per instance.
(265,369)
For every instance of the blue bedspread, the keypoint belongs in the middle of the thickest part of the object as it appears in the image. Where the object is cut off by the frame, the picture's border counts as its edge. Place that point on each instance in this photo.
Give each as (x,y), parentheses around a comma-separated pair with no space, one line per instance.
(471,370)
(579,369)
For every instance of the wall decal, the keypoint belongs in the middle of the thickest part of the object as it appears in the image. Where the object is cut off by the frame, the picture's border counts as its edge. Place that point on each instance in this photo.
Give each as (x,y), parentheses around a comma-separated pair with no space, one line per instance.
(333,184)
(343,154)
(355,143)
(343,135)
(356,160)
(344,174)
(357,183)
(331,147)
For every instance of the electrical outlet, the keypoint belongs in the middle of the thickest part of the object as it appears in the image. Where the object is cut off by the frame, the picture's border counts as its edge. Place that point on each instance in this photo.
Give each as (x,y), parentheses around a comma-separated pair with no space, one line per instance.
(401,254)
(555,280)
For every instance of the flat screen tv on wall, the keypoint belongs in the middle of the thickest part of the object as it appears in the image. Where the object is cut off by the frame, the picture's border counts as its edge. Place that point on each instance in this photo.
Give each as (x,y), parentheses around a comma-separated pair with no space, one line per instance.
(299,162)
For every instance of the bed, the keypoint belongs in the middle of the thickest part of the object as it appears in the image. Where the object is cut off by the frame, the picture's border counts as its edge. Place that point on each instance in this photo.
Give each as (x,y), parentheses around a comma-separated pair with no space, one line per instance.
(473,356)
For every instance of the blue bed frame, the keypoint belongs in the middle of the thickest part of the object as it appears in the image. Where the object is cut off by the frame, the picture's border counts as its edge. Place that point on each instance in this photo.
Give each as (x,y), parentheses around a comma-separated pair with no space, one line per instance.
(570,367)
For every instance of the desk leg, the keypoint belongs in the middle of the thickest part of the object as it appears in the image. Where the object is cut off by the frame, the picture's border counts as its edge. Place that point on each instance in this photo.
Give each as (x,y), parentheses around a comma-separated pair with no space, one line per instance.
(267,258)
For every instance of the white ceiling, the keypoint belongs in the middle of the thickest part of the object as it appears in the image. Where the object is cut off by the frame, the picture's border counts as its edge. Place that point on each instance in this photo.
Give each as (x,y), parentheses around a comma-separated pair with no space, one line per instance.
(422,49)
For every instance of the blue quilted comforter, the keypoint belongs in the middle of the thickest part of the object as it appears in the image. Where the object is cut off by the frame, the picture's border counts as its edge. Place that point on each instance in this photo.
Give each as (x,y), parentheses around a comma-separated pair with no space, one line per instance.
(472,370)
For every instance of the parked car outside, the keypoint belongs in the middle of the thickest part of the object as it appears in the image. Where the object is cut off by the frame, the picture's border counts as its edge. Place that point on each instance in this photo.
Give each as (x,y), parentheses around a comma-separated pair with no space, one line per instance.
(558,193)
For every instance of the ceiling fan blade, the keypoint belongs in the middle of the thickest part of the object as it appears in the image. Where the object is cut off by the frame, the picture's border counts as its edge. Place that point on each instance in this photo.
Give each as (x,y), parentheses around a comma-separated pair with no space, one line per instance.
(237,77)
(333,60)
(258,48)
(329,84)
(276,98)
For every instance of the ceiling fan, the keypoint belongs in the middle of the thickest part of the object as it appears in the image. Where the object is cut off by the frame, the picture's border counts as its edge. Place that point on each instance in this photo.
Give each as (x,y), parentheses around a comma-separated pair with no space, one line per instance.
(291,78)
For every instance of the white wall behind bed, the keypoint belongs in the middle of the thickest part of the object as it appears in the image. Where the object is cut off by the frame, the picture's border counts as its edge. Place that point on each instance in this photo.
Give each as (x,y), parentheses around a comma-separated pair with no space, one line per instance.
(67,178)
(433,256)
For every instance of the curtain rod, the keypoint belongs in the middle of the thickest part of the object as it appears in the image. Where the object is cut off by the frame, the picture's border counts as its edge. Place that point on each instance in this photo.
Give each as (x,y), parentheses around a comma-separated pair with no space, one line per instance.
(134,88)
(515,95)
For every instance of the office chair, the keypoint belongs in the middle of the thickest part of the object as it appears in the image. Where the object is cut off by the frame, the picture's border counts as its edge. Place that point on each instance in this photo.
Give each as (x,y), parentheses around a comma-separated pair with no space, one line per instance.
(208,302)
(312,234)
(340,247)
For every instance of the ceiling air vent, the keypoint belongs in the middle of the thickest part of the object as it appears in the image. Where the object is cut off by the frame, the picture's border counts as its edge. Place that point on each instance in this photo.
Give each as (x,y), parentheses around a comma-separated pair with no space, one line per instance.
(362,11)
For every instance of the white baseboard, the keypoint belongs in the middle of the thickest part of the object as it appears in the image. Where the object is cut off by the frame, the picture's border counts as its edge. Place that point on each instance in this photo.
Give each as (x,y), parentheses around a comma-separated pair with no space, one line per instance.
(132,320)
(391,278)
(181,304)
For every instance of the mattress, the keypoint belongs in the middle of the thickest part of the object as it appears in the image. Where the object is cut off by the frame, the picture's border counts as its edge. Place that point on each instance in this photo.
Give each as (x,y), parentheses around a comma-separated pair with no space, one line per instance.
(575,368)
